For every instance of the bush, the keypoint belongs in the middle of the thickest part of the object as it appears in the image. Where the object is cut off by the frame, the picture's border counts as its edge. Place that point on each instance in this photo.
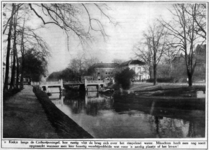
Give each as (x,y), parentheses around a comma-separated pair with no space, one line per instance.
(124,77)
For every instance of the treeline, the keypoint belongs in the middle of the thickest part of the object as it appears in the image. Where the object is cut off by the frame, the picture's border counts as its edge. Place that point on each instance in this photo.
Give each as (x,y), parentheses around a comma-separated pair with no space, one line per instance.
(175,48)
(25,52)
(77,68)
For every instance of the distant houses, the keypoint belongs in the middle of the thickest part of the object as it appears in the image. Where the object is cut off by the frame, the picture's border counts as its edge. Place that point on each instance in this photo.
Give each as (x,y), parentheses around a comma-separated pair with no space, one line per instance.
(139,67)
(104,71)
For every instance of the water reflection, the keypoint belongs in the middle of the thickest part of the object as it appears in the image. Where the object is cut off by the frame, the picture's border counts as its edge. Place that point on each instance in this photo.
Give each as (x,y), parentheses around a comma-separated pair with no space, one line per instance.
(101,117)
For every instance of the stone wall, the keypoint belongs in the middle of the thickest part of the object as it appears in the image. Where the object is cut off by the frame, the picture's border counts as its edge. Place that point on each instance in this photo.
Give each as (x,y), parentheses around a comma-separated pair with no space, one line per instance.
(65,127)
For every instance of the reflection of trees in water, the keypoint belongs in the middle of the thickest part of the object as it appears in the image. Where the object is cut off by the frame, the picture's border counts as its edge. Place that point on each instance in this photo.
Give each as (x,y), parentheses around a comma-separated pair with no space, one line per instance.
(191,130)
(172,128)
(176,128)
(75,101)
(78,102)
(169,123)
(93,106)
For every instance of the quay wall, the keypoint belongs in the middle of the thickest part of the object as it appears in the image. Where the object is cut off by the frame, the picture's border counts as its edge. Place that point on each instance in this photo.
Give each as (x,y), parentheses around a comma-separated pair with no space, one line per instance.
(65,127)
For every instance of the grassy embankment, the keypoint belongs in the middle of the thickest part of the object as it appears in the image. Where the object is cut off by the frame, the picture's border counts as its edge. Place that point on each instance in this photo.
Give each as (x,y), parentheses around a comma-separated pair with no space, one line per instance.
(167,89)
(162,96)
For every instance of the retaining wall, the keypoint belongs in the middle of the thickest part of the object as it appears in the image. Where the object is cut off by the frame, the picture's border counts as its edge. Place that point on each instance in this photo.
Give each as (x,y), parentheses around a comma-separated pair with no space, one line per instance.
(65,127)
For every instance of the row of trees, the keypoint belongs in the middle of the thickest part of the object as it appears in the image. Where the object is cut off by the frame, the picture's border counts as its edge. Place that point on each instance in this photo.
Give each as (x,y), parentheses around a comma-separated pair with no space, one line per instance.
(21,38)
(164,41)
(22,45)
(77,68)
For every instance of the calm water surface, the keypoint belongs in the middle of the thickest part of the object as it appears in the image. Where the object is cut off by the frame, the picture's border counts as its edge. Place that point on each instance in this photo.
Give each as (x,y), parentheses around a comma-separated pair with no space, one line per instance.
(99,116)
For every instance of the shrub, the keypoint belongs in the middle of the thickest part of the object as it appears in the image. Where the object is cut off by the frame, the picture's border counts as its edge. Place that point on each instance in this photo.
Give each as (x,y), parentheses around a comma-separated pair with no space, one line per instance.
(124,77)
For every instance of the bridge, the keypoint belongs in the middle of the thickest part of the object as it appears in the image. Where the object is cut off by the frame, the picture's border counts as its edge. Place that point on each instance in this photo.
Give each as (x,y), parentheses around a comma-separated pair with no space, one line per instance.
(45,86)
(86,83)
(60,84)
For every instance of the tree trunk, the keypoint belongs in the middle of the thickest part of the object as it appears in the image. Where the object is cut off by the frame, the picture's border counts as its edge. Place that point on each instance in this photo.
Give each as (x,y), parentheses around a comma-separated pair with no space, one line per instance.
(8,51)
(17,73)
(189,79)
(22,71)
(12,83)
(13,70)
(155,74)
(150,72)
(154,61)
(16,55)
(23,53)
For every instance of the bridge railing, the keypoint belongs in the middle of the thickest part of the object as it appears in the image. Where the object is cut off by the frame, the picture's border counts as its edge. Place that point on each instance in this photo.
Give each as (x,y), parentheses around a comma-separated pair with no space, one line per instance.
(51,82)
(94,81)
(35,83)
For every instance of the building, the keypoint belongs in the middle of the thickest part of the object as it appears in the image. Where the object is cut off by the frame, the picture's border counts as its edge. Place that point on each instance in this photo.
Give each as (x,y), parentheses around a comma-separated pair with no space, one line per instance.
(104,70)
(139,67)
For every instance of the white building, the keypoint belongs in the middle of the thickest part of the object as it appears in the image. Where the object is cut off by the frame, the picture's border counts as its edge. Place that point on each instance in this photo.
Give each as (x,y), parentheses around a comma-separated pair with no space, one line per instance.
(139,67)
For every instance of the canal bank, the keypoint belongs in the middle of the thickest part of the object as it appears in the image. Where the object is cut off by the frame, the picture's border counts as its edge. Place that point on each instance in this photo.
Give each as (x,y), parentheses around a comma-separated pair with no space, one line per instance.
(24,117)
(65,127)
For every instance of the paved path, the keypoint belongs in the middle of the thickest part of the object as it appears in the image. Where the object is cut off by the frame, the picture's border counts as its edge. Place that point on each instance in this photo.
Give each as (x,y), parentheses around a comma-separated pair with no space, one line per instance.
(24,117)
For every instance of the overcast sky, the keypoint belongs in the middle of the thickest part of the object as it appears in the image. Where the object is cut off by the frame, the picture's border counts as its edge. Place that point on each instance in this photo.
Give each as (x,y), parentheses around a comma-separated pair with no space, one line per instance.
(133,19)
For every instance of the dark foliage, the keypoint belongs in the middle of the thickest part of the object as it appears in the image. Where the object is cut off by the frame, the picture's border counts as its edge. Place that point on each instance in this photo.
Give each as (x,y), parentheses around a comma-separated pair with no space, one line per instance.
(124,77)
(35,65)
(66,74)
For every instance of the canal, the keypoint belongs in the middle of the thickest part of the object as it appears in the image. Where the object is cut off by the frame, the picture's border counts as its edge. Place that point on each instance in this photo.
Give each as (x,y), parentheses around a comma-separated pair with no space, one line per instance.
(102,118)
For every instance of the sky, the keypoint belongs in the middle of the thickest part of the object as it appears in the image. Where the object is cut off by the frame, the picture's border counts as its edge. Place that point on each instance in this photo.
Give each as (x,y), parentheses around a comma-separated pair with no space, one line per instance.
(133,19)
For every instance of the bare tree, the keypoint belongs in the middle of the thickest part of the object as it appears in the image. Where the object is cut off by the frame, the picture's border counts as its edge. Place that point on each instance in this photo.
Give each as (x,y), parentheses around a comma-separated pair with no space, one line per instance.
(9,48)
(199,16)
(184,29)
(145,55)
(69,17)
(155,40)
(15,66)
(74,19)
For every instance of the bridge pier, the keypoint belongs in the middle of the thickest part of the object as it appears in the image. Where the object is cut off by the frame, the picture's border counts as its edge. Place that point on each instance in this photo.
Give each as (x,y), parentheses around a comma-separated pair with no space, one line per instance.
(46,85)
(83,86)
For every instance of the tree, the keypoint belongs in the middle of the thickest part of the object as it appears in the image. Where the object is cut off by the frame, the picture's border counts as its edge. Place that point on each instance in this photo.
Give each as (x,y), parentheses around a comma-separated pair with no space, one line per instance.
(35,65)
(153,47)
(200,71)
(184,29)
(199,17)
(15,66)
(21,41)
(145,55)
(83,66)
(68,17)
(124,77)
(8,49)
(118,61)
(77,66)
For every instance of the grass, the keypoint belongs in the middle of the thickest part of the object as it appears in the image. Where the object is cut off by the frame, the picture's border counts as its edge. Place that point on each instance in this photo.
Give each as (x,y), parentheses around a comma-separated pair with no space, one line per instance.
(163,89)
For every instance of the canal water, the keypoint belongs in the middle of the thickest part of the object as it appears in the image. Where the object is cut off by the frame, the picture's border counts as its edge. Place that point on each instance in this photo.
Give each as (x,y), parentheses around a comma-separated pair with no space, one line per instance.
(102,118)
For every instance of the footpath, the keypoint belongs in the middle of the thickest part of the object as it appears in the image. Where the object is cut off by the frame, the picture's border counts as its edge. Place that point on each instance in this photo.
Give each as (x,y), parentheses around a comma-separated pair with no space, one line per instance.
(24,117)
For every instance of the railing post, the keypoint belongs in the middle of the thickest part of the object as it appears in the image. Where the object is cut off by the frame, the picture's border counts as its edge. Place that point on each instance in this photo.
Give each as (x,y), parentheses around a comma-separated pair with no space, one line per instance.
(61,82)
(85,84)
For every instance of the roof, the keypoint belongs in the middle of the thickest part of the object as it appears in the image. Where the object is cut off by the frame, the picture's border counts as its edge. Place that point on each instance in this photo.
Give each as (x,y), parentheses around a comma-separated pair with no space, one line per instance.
(106,65)
(132,62)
